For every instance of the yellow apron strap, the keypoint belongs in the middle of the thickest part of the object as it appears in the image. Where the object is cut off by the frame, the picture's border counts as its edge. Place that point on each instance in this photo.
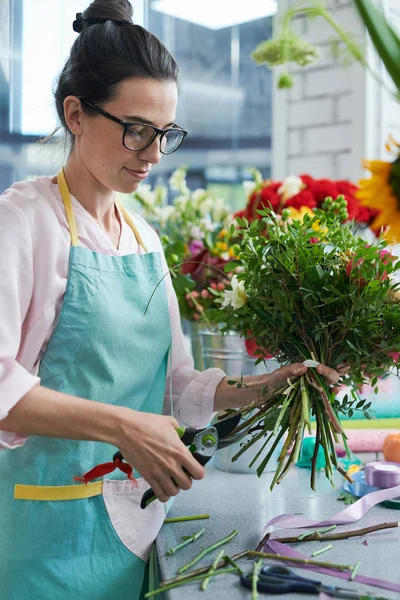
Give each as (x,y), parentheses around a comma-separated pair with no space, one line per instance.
(66,197)
(132,225)
(61,492)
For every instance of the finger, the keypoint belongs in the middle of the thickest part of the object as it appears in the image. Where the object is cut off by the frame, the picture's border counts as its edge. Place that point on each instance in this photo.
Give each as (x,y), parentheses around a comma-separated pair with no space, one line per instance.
(168,484)
(335,390)
(182,479)
(293,370)
(343,369)
(194,468)
(330,374)
(159,491)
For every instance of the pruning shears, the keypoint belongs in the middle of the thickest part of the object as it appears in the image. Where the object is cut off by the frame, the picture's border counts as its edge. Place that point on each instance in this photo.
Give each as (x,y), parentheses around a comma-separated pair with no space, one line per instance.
(203,443)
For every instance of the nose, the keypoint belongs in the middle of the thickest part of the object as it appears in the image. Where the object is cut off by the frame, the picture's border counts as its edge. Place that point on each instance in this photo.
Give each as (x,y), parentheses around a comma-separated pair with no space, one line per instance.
(152,153)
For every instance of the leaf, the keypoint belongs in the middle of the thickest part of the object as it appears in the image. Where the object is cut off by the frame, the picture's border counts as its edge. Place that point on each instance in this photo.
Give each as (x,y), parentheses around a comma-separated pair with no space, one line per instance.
(351,345)
(183,283)
(347,498)
(385,40)
(231,266)
(243,222)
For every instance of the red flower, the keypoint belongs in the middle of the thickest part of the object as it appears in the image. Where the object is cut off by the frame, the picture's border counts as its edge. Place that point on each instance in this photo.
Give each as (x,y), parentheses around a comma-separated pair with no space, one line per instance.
(322,188)
(307,180)
(202,266)
(252,347)
(353,207)
(269,196)
(265,197)
(239,213)
(303,198)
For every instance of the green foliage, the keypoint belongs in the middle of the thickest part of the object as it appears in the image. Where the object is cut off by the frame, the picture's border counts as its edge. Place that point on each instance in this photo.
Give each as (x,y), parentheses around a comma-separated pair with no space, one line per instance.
(316,290)
(286,47)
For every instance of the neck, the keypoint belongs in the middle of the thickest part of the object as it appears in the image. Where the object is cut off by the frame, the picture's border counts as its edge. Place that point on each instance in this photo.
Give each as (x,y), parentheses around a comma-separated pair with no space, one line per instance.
(94,197)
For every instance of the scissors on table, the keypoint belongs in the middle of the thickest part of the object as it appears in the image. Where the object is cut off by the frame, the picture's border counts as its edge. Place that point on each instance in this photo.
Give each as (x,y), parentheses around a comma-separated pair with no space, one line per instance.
(282,580)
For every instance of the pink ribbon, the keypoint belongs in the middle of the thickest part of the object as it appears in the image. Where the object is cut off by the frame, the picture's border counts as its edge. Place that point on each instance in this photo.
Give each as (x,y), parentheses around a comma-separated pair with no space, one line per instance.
(351,514)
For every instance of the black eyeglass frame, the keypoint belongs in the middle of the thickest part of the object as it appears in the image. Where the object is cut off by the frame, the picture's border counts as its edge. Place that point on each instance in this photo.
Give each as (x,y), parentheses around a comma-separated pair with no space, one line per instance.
(126,125)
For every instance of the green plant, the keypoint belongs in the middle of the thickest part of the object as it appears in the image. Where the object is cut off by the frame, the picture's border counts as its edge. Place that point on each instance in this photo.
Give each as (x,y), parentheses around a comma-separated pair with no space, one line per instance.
(285,46)
(312,290)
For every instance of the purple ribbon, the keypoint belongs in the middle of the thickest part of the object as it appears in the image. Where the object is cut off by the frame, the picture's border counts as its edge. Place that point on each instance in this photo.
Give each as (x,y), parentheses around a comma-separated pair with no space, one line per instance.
(351,514)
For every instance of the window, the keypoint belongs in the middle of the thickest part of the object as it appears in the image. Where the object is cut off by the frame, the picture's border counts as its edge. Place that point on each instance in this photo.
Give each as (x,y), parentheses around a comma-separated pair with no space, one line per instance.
(225,101)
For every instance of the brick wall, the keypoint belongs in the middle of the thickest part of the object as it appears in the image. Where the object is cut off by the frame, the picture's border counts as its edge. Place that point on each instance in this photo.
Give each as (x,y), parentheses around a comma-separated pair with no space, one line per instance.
(334,115)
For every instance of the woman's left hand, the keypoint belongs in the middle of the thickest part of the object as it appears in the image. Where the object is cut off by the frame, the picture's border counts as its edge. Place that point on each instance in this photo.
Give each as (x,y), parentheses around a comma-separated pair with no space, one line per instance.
(279,377)
(229,396)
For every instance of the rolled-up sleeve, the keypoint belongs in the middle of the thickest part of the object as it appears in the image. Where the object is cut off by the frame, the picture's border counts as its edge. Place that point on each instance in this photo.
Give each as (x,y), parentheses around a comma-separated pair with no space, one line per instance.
(190,392)
(16,285)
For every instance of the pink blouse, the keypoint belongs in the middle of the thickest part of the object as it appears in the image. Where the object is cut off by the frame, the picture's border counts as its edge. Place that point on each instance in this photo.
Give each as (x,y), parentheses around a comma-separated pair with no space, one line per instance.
(34,254)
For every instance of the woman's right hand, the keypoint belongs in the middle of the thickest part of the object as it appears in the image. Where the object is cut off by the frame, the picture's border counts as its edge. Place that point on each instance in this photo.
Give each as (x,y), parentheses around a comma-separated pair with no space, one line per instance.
(151,445)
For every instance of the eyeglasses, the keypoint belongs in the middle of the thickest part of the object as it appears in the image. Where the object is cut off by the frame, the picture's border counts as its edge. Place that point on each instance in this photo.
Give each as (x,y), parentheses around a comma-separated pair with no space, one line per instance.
(138,136)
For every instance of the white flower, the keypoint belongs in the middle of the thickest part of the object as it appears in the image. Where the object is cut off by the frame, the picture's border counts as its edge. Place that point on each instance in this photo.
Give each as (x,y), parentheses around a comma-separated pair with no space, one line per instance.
(146,195)
(291,186)
(181,202)
(237,297)
(199,195)
(227,299)
(177,181)
(164,213)
(196,233)
(205,205)
(225,256)
(219,210)
(249,187)
(208,225)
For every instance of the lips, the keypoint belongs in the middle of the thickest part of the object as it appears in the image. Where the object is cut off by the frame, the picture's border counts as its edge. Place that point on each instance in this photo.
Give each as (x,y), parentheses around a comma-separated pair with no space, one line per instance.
(138,174)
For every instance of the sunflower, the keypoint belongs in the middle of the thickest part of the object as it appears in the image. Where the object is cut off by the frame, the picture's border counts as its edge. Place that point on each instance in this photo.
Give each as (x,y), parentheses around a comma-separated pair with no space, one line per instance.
(382,192)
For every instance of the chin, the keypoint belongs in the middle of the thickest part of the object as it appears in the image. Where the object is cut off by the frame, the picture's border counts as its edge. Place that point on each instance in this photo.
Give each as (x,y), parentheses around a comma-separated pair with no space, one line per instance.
(128,187)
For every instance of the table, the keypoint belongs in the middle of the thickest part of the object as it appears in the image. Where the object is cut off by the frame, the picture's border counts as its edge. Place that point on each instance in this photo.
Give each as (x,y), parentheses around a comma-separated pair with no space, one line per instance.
(244,502)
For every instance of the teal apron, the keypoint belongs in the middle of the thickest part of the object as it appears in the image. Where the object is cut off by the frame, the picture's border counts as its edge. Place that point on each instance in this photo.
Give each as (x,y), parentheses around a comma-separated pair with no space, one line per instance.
(66,541)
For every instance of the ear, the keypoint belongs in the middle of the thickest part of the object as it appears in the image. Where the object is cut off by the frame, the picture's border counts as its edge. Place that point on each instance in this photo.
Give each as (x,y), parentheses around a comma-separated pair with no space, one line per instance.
(73,114)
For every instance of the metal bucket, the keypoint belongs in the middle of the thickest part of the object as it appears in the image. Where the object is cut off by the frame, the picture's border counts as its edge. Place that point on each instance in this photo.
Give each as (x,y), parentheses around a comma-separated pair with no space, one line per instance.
(228,352)
(191,331)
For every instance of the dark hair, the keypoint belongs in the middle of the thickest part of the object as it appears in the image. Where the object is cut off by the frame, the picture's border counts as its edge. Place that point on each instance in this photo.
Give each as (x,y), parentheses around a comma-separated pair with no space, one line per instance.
(109,49)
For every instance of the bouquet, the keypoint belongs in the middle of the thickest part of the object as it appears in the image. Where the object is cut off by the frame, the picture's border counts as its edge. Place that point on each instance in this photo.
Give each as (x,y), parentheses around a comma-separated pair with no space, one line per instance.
(312,290)
(197,243)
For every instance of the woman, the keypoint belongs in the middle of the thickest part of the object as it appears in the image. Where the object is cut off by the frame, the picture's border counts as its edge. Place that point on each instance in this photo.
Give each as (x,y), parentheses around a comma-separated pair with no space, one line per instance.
(83,368)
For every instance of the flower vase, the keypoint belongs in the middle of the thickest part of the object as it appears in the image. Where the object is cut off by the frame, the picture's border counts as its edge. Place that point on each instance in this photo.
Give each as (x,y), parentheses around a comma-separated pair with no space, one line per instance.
(228,352)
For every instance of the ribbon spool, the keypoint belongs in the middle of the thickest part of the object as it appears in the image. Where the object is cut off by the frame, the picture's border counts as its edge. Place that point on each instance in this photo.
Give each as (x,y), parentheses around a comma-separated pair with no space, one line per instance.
(382,474)
(360,487)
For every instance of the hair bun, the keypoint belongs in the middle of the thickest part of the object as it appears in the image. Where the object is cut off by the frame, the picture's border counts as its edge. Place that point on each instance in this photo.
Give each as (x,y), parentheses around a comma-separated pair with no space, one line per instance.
(101,11)
(78,24)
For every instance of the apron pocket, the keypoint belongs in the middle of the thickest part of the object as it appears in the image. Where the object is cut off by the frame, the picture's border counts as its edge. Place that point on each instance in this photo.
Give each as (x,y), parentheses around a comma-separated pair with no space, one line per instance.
(136,528)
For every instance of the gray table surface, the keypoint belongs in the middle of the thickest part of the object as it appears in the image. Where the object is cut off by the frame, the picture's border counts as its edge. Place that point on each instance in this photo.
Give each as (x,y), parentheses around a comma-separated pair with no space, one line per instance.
(244,502)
